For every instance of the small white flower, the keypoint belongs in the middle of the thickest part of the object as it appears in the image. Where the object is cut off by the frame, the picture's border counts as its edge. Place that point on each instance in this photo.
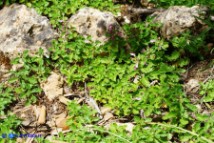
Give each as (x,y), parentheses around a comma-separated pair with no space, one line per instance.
(152,41)
(132,54)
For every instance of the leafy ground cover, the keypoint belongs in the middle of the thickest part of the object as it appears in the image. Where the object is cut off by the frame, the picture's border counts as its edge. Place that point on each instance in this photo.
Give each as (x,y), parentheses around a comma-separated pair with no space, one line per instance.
(145,88)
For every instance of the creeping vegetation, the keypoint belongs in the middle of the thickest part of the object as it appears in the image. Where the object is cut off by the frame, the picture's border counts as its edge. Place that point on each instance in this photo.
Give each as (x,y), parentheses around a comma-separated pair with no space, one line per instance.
(143,87)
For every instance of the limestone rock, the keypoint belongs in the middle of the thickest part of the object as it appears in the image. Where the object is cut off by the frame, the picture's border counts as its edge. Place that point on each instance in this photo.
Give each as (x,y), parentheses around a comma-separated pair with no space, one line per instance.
(178,19)
(94,23)
(53,87)
(22,28)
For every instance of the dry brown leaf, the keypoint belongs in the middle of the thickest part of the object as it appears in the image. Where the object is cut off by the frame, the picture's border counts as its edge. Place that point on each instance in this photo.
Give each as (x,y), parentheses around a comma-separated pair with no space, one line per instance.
(104,110)
(62,115)
(42,115)
(108,116)
(61,123)
(53,86)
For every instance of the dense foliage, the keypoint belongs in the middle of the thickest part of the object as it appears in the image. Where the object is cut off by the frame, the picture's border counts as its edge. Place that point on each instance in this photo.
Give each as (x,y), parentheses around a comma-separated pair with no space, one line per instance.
(145,86)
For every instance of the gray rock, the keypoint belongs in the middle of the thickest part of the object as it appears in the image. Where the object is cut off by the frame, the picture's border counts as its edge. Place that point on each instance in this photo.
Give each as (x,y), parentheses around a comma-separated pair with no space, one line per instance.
(92,22)
(178,19)
(21,28)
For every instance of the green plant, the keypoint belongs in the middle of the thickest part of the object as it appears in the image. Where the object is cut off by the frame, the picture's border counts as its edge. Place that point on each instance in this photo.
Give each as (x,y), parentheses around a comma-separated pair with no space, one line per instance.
(7,126)
(25,81)
(81,122)
(207,91)
(147,82)
(143,86)
(6,97)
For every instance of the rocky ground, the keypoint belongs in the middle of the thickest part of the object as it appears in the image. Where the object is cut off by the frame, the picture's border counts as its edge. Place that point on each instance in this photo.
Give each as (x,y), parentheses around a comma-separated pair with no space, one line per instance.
(22,28)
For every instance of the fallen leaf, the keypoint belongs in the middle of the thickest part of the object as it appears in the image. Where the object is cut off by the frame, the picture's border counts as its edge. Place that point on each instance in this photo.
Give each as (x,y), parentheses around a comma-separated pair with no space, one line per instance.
(42,115)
